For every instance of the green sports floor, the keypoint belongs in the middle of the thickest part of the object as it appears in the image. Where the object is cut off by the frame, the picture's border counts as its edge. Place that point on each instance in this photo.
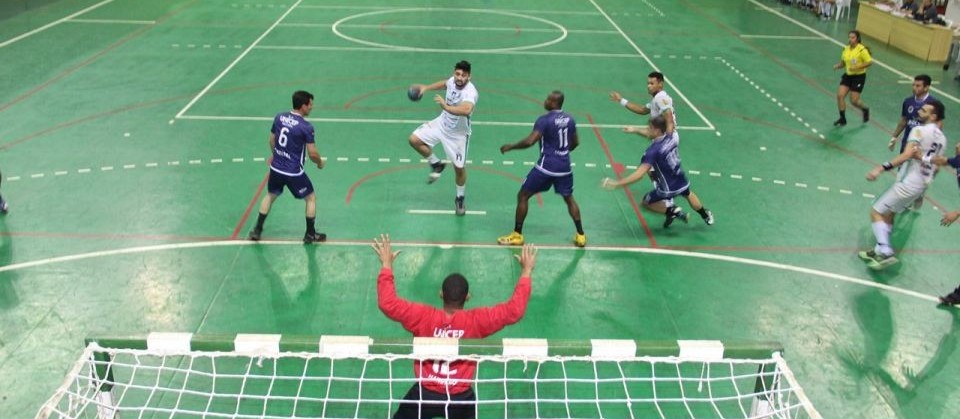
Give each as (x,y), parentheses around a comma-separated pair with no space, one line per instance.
(133,135)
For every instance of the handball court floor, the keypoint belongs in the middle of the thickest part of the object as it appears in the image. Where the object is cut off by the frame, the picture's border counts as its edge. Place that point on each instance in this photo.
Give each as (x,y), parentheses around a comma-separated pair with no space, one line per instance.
(133,136)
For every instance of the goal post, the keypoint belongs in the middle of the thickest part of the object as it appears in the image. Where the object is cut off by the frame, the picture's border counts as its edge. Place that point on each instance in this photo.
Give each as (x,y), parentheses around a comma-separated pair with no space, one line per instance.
(281,376)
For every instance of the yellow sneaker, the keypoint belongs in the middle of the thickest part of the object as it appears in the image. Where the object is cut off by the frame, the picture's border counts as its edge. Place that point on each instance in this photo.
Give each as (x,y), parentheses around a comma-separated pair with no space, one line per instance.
(512,239)
(580,240)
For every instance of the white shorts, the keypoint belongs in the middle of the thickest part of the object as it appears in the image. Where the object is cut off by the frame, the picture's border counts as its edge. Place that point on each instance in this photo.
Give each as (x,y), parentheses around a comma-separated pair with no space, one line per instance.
(897,198)
(455,146)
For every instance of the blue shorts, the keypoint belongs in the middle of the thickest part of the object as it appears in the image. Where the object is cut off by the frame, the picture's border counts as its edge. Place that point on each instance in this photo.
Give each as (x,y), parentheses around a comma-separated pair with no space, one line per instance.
(657,196)
(300,185)
(538,181)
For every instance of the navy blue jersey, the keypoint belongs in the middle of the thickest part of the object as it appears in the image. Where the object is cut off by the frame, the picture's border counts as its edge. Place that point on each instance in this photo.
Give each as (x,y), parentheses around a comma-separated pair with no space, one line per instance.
(290,149)
(954,162)
(663,156)
(556,128)
(909,110)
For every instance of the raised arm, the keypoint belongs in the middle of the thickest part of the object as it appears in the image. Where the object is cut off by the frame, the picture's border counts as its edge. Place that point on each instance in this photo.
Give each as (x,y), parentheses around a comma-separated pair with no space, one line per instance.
(490,320)
(395,308)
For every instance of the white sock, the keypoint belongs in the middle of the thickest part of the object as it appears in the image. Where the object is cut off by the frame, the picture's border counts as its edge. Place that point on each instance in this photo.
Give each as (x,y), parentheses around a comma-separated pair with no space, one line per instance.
(432,159)
(461,190)
(881,231)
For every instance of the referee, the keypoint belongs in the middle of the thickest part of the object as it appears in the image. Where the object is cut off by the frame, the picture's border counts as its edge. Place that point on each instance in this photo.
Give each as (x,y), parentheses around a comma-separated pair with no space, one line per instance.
(855,59)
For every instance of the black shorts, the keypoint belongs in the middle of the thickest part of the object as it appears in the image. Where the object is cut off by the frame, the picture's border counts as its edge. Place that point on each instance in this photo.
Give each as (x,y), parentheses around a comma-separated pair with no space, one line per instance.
(855,83)
(437,409)
(299,185)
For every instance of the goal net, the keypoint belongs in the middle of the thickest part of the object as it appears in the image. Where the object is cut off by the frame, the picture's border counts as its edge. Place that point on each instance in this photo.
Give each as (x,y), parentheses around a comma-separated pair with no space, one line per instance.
(173,375)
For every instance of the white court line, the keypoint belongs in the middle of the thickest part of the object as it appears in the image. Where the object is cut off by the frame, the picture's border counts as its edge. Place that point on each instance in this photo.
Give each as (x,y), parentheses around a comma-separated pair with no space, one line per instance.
(446,28)
(841,44)
(792,37)
(52,24)
(654,66)
(453,9)
(669,252)
(443,212)
(237,60)
(396,121)
(117,21)
(407,50)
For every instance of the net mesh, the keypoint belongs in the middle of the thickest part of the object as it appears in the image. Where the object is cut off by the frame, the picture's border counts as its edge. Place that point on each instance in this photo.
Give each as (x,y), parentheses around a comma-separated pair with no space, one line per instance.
(137,383)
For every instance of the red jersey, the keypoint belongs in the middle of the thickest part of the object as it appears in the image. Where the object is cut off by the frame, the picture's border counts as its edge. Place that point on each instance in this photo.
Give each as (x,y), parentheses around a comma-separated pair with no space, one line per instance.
(426,321)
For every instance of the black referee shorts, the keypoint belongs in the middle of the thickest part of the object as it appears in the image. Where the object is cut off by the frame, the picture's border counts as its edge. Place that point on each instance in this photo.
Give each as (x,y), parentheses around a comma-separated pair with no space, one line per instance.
(855,83)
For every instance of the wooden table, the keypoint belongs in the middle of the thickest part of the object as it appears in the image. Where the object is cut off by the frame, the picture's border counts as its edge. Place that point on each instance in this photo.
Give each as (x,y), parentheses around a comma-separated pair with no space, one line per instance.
(928,42)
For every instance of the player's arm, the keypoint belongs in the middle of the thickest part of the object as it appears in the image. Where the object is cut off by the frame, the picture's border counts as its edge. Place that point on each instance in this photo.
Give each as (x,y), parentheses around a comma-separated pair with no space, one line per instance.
(442,84)
(489,320)
(314,155)
(528,141)
(464,108)
(574,141)
(668,115)
(273,143)
(911,150)
(394,307)
(638,174)
(641,131)
(901,125)
(632,107)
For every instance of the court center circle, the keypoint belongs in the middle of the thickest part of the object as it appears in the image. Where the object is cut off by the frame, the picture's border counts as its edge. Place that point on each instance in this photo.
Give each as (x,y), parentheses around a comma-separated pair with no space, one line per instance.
(336,30)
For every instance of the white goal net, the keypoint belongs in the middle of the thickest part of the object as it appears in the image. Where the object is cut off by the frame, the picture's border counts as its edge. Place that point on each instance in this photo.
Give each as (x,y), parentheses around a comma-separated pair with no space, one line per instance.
(273,376)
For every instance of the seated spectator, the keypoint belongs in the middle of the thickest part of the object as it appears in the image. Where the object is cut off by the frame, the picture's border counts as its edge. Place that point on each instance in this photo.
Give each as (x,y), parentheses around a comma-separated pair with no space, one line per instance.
(926,13)
(909,6)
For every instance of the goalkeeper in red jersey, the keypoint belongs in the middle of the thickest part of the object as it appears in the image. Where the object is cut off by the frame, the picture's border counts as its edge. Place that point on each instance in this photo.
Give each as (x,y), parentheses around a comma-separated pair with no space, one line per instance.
(442,382)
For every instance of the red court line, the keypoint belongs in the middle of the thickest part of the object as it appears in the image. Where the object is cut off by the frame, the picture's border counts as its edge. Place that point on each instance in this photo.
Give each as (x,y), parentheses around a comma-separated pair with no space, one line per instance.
(618,169)
(246,214)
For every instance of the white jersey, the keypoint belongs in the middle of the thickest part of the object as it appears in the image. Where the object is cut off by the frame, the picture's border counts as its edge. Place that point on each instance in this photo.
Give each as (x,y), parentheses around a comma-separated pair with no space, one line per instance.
(660,103)
(454,124)
(915,173)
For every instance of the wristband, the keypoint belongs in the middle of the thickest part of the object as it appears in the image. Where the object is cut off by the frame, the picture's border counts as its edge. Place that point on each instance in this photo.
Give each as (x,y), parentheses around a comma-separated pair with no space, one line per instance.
(887,165)
(624,102)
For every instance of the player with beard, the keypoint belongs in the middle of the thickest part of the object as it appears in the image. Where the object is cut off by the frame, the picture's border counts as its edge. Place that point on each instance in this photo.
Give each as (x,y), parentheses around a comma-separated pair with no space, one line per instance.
(451,128)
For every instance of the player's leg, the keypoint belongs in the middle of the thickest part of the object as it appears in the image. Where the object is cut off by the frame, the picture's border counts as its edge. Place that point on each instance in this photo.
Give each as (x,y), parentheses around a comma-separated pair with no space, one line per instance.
(661,204)
(424,139)
(697,206)
(462,411)
(456,149)
(882,213)
(855,91)
(535,182)
(563,186)
(842,92)
(275,184)
(302,188)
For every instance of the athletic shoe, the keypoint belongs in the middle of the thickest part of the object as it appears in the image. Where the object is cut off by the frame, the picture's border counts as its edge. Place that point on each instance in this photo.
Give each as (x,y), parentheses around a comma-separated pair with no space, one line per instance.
(314,238)
(674,213)
(435,170)
(512,239)
(866,115)
(877,261)
(3,206)
(458,205)
(708,218)
(255,234)
(580,240)
(951,299)
(840,122)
